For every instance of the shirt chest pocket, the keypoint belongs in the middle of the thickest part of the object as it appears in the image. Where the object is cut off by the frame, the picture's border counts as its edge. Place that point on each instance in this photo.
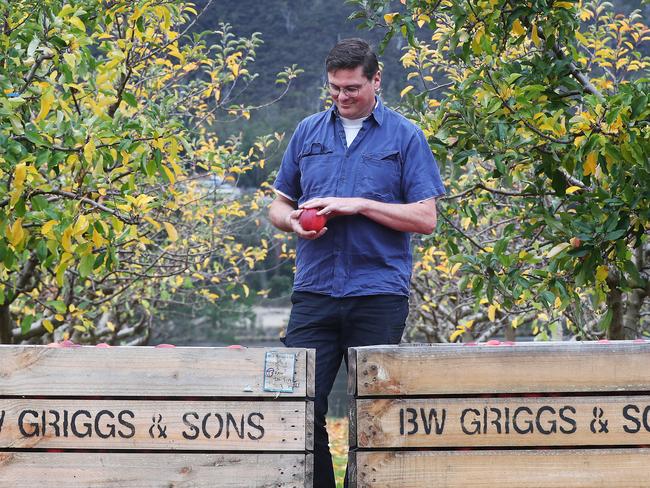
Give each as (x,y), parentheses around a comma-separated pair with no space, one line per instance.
(318,169)
(379,176)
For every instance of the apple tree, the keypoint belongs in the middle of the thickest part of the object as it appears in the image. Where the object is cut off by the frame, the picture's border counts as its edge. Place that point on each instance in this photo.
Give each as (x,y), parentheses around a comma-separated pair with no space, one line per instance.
(117,196)
(538,114)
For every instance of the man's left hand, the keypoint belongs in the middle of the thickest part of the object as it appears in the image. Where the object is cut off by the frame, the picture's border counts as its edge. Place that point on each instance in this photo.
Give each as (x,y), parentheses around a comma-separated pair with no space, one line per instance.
(335,206)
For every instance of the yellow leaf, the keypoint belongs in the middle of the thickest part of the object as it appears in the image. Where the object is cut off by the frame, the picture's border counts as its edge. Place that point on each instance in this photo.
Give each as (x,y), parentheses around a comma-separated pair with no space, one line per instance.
(246,290)
(406,90)
(81,225)
(517,28)
(581,38)
(66,240)
(19,175)
(46,230)
(46,103)
(557,249)
(15,232)
(456,334)
(572,189)
(152,222)
(602,272)
(563,4)
(89,150)
(48,326)
(492,312)
(76,21)
(590,164)
(171,231)
(534,35)
(389,18)
(170,175)
(61,267)
(98,240)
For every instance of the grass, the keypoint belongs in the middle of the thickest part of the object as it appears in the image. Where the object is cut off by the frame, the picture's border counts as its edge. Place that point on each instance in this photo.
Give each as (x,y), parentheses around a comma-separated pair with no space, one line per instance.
(337,429)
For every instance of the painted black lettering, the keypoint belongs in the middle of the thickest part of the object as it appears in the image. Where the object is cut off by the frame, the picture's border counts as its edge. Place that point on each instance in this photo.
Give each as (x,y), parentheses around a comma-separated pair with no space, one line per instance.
(111,426)
(497,421)
(65,423)
(204,426)
(569,420)
(475,423)
(124,423)
(529,423)
(401,421)
(433,417)
(230,420)
(220,419)
(506,411)
(257,425)
(55,423)
(87,425)
(637,423)
(193,428)
(2,419)
(34,425)
(646,414)
(552,423)
(413,420)
(43,424)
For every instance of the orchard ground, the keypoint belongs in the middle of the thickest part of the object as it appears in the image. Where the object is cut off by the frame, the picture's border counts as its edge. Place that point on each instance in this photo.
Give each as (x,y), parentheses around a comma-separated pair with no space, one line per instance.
(338,432)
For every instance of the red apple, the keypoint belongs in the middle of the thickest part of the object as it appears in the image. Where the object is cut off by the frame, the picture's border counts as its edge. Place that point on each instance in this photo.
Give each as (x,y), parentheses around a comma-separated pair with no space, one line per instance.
(310,220)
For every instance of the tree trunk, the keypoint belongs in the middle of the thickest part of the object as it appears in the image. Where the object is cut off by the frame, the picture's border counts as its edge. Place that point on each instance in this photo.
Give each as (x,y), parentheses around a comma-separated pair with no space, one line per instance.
(636,298)
(510,333)
(616,331)
(6,325)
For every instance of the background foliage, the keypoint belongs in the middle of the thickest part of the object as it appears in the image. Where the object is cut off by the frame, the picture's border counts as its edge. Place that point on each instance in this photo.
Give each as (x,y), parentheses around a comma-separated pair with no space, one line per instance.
(112,201)
(538,113)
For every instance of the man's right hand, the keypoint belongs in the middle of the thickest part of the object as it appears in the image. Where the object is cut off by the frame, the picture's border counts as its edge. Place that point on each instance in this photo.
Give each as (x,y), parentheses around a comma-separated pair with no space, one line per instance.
(294,223)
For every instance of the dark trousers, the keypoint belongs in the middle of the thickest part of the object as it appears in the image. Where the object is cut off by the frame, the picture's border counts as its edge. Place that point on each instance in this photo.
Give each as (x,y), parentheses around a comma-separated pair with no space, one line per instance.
(331,326)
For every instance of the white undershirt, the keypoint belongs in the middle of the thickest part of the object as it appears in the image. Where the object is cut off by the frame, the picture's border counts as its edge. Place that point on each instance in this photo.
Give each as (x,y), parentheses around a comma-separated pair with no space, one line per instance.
(352,128)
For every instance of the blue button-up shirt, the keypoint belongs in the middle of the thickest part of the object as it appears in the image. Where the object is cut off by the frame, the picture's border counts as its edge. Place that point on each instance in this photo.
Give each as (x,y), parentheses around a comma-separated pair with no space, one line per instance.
(388,161)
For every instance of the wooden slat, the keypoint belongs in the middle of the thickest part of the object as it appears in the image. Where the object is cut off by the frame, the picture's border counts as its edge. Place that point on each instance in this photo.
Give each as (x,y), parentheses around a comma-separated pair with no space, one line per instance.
(142,371)
(503,422)
(311,373)
(153,470)
(309,425)
(520,368)
(565,468)
(352,371)
(133,424)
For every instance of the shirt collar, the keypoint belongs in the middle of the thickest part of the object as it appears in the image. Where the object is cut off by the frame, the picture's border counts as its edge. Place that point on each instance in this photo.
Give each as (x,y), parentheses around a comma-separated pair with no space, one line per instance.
(377,113)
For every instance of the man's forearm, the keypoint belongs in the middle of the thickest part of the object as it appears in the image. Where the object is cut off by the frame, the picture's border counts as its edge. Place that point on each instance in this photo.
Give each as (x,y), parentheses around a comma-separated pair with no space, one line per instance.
(417,217)
(279,214)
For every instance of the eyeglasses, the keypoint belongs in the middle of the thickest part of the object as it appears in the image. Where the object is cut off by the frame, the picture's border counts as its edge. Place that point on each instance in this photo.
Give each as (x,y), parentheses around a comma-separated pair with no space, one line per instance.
(351,92)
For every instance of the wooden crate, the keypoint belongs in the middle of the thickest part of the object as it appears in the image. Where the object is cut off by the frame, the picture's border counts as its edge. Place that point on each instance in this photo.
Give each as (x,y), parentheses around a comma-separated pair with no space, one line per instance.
(155,417)
(543,415)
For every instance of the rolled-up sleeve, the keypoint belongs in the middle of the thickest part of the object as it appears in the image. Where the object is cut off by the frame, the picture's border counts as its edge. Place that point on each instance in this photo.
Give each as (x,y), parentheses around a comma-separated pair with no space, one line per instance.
(420,174)
(287,182)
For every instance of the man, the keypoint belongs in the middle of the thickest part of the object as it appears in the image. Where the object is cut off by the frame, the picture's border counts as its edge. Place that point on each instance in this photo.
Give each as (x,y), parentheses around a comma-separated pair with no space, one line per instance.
(372,174)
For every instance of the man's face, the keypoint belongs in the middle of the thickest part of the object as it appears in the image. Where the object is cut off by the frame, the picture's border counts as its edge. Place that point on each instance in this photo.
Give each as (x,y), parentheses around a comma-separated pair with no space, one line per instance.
(344,81)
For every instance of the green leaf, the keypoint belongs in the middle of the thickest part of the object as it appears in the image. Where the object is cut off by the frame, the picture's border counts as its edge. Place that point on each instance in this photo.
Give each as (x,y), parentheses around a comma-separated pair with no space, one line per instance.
(39,203)
(26,323)
(87,265)
(130,99)
(57,305)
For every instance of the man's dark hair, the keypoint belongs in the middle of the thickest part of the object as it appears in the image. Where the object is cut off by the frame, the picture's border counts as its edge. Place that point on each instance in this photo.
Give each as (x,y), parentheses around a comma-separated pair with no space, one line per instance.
(351,53)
